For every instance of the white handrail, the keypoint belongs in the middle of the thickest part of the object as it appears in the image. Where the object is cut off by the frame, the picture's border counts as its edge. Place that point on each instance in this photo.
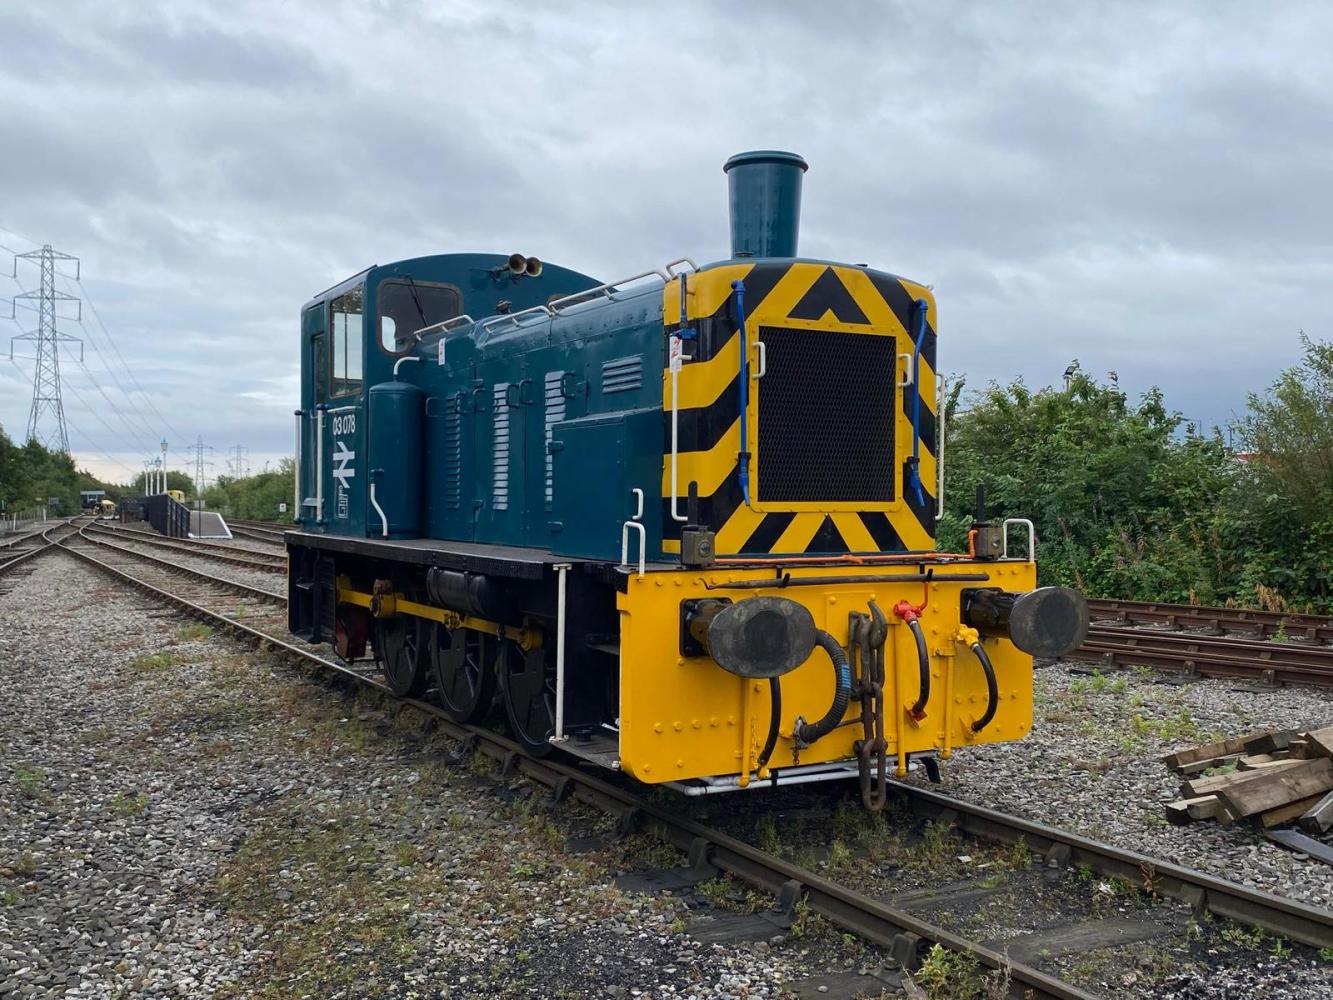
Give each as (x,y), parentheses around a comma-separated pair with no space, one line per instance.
(939,449)
(1032,537)
(671,264)
(384,521)
(643,544)
(588,293)
(296,470)
(397,364)
(486,324)
(319,466)
(443,326)
(559,735)
(677,346)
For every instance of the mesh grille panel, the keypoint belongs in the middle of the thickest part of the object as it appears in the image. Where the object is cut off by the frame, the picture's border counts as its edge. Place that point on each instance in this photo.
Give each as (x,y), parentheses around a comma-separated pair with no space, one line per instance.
(826,415)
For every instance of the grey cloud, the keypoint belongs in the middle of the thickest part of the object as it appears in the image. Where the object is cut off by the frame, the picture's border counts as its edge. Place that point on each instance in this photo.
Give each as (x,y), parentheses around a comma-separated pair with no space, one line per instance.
(1138,186)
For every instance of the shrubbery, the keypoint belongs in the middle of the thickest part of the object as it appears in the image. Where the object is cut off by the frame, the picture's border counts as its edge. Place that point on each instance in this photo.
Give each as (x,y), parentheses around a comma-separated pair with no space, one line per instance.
(1126,505)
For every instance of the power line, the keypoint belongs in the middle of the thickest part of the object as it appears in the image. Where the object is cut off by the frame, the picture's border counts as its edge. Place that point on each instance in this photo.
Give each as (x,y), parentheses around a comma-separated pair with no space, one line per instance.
(130,371)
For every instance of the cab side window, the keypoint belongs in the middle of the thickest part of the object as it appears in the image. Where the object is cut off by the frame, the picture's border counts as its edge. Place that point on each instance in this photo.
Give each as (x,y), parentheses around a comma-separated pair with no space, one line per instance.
(345,329)
(408,306)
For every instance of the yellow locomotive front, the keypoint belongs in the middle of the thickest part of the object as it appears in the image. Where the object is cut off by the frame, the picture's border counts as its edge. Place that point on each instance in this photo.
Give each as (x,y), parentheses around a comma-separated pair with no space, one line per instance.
(812,630)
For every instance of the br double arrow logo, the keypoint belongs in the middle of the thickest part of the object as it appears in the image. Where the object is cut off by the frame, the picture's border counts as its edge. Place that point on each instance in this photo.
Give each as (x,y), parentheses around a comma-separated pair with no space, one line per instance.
(342,459)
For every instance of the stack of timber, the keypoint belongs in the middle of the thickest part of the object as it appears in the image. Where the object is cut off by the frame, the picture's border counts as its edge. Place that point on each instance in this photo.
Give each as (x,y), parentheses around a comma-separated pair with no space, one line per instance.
(1268,779)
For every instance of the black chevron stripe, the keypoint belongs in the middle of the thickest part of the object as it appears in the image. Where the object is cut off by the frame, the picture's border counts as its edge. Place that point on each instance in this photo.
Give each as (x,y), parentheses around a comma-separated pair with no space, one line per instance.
(926,418)
(882,531)
(897,298)
(701,427)
(828,539)
(828,293)
(714,510)
(925,513)
(769,530)
(717,329)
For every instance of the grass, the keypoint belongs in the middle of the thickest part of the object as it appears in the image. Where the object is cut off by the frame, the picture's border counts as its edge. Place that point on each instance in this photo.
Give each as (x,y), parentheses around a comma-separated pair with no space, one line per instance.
(1246,937)
(195,631)
(129,805)
(26,864)
(30,781)
(766,833)
(8,897)
(350,908)
(950,975)
(151,662)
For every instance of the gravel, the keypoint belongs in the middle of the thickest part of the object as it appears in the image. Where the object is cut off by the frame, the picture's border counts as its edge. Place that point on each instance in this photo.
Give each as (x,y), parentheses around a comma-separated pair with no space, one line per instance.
(182,817)
(272,582)
(1092,764)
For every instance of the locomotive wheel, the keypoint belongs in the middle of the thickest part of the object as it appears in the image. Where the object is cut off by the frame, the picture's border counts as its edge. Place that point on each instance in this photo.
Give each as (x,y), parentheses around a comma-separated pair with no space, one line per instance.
(529,697)
(463,664)
(398,642)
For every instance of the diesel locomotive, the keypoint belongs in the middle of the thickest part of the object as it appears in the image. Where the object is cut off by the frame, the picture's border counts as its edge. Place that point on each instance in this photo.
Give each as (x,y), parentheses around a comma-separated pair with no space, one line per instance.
(679,525)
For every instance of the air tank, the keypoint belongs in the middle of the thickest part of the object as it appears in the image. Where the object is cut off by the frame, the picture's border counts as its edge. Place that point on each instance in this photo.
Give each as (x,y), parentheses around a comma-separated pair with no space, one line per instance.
(397,410)
(764,194)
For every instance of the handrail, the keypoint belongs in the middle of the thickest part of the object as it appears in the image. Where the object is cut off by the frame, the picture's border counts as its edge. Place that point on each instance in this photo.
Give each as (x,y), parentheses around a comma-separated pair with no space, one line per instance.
(491,321)
(1032,537)
(588,293)
(443,326)
(296,472)
(669,265)
(940,387)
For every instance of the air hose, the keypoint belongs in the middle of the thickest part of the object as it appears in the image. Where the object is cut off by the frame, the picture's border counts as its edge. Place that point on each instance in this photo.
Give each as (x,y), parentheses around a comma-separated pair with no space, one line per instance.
(807,732)
(992,690)
(774,721)
(918,710)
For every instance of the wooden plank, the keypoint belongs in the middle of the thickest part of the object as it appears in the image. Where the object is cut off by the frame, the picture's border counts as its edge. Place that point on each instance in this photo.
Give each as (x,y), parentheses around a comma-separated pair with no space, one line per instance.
(1275,787)
(1267,743)
(1289,813)
(1211,784)
(1221,749)
(1249,763)
(1320,742)
(1185,811)
(1299,748)
(1318,817)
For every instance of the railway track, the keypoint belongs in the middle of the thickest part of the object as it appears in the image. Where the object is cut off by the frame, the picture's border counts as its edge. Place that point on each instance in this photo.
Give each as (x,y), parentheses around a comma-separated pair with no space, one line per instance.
(1218,621)
(259,616)
(258,530)
(34,545)
(262,561)
(1270,648)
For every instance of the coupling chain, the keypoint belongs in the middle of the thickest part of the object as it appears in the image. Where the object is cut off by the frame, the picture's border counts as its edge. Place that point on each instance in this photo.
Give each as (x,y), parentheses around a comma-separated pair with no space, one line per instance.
(865,646)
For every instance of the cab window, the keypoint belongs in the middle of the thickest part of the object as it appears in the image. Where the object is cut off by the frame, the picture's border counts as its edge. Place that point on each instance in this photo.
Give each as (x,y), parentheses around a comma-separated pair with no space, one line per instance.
(407,306)
(345,328)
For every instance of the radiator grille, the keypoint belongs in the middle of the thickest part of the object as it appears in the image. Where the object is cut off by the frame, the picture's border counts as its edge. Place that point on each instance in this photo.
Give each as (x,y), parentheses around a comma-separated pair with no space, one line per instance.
(500,496)
(453,454)
(826,416)
(554,399)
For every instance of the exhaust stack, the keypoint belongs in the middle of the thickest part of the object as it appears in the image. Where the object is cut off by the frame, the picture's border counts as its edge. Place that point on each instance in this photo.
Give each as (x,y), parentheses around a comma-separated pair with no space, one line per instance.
(764,189)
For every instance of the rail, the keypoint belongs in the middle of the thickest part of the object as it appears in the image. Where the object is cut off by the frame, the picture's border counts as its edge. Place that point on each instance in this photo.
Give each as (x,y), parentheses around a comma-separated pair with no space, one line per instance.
(873,919)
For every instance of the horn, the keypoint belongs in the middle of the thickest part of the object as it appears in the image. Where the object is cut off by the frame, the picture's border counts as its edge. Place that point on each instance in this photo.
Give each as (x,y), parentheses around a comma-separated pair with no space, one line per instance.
(534,267)
(516,263)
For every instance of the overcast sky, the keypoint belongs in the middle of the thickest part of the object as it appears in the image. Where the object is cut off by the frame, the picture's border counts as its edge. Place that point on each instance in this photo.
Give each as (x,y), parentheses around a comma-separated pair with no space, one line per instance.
(1142,187)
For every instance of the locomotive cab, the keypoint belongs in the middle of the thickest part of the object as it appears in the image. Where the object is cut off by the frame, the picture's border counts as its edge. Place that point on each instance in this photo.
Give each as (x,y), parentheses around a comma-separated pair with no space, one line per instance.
(681,525)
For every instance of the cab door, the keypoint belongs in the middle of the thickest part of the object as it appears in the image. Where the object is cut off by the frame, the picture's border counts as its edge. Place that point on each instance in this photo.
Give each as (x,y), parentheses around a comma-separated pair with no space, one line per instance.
(341,421)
